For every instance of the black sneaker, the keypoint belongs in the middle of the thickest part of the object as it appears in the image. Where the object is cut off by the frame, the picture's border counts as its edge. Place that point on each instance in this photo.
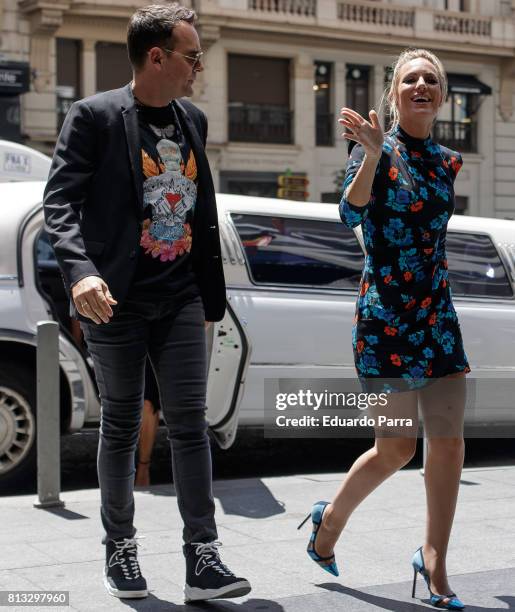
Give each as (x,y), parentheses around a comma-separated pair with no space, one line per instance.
(122,575)
(207,577)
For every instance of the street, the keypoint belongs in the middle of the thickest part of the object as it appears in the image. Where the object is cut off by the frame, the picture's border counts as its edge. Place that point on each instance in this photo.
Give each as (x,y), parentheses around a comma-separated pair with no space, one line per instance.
(262,489)
(257,518)
(253,456)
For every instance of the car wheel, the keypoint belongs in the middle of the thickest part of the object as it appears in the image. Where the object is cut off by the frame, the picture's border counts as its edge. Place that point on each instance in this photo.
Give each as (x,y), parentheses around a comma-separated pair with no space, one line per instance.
(17,425)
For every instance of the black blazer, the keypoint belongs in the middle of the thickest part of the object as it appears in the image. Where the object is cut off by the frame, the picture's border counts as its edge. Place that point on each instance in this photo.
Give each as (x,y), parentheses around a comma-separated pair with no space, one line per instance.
(93,200)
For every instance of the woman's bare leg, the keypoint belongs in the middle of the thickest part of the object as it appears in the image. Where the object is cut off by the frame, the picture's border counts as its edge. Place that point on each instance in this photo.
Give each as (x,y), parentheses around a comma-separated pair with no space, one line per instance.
(372,468)
(444,405)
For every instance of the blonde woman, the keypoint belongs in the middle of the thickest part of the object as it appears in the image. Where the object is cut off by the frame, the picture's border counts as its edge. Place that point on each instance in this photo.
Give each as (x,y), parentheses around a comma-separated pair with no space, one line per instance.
(399,186)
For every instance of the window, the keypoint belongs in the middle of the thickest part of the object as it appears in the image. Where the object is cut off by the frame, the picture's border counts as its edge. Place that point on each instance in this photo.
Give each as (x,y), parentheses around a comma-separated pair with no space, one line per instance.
(330,197)
(259,99)
(357,89)
(300,252)
(45,253)
(457,5)
(324,118)
(68,75)
(10,118)
(388,76)
(475,268)
(259,184)
(461,205)
(113,67)
(456,127)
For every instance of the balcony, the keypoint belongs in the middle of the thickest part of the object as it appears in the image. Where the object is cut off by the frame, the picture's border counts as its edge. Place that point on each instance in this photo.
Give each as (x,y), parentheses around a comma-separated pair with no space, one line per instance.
(305,8)
(375,15)
(462,25)
(388,23)
(260,123)
(461,137)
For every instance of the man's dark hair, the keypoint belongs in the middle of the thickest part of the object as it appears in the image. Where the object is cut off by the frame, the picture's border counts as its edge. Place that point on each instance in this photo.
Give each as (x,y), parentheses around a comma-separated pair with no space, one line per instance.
(152,26)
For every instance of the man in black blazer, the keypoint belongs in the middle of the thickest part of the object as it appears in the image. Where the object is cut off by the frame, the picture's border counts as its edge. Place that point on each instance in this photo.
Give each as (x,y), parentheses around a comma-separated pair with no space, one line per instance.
(130,210)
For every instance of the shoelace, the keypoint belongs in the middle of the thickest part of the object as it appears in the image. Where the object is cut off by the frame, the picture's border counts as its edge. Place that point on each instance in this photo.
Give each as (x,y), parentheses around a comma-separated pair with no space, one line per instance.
(208,553)
(125,556)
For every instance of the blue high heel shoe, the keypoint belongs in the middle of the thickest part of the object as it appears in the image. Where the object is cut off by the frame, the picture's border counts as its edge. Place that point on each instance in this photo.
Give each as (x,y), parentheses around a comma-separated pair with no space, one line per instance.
(436,600)
(327,563)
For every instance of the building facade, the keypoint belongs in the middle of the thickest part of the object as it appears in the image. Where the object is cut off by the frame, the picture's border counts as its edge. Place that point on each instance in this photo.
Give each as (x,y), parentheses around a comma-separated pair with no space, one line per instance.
(278,72)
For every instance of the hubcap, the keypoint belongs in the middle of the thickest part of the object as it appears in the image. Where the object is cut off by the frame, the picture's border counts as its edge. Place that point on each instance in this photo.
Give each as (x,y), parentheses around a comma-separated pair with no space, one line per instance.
(17,429)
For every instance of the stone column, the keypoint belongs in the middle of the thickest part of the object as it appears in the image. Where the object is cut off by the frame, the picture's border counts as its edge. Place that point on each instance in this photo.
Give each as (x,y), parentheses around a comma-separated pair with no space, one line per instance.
(340,97)
(88,68)
(209,35)
(39,117)
(377,89)
(303,102)
(507,88)
(326,11)
(424,23)
(210,93)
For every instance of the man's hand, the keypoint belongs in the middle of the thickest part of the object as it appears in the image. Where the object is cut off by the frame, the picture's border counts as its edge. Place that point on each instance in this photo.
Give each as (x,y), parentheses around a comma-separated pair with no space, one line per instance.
(92,299)
(207,325)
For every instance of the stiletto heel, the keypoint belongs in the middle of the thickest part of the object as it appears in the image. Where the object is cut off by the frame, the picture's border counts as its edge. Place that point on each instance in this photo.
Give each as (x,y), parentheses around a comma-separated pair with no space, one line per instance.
(414,583)
(304,521)
(326,563)
(436,600)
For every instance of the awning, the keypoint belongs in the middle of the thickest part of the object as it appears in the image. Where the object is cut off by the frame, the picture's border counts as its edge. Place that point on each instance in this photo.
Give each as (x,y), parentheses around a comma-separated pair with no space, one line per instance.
(467,83)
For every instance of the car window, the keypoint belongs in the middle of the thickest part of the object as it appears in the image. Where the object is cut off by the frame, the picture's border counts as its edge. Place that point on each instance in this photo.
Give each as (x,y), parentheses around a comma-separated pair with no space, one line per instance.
(302,252)
(475,268)
(44,252)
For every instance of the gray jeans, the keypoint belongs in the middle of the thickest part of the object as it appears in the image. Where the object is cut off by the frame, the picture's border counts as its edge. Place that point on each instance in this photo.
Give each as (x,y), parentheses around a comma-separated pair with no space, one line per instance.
(172,334)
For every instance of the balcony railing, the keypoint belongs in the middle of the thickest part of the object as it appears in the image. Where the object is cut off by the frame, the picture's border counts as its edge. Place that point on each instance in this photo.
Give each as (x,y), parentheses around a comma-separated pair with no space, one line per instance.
(303,8)
(380,20)
(371,13)
(466,25)
(324,130)
(260,123)
(459,136)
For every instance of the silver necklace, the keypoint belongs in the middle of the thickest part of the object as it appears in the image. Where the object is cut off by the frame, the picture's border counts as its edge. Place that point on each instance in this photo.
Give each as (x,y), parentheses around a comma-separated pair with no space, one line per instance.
(163,132)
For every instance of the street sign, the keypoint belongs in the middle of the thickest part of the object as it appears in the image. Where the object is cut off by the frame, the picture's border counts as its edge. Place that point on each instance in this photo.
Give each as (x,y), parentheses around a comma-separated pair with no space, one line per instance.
(292,187)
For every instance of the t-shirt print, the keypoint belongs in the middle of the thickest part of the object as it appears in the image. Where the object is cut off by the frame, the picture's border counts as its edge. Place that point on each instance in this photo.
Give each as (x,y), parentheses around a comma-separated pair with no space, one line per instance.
(169,195)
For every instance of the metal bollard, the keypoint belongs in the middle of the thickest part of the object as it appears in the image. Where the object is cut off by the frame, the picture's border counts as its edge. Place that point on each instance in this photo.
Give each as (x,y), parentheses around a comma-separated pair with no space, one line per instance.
(48,416)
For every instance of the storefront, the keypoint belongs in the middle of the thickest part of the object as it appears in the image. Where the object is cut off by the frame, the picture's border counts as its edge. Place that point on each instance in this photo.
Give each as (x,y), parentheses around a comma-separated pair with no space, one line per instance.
(14,80)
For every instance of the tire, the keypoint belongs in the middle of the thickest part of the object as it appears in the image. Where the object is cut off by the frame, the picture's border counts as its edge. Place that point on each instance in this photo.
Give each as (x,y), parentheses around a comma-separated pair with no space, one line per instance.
(17,426)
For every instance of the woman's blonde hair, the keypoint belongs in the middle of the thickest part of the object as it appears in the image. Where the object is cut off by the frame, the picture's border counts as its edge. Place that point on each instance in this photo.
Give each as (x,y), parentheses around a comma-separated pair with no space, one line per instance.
(390,93)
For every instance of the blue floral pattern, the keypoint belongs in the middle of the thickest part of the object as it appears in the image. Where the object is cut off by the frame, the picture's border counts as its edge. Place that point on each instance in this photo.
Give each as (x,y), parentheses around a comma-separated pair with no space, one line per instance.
(406,326)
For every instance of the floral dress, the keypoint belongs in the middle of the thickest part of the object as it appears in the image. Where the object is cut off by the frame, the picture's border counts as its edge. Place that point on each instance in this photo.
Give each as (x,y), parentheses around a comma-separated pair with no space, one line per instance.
(406,326)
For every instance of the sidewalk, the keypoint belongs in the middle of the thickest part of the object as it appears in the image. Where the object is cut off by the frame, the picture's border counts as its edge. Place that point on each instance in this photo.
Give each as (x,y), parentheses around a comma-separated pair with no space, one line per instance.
(258,518)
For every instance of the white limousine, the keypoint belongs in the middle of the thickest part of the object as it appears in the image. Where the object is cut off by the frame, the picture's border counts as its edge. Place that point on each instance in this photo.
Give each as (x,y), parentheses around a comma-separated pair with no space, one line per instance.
(292,272)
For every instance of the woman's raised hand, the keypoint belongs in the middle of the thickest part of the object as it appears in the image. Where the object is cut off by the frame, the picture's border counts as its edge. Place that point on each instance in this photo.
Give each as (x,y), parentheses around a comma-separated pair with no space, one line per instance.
(368,133)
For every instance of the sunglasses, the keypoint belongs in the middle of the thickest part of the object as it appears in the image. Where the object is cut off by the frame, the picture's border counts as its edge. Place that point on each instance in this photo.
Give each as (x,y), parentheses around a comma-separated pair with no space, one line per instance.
(194,60)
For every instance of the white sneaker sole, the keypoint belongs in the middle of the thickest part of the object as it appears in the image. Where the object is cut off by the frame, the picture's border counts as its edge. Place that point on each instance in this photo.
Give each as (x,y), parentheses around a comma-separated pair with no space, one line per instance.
(237,589)
(123,594)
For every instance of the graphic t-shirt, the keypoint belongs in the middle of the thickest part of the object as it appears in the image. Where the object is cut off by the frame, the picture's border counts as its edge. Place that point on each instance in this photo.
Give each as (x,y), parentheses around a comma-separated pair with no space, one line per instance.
(169,196)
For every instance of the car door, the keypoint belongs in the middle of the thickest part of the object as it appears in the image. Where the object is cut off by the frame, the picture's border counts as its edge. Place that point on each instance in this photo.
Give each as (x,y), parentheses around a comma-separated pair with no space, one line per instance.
(299,305)
(484,299)
(229,354)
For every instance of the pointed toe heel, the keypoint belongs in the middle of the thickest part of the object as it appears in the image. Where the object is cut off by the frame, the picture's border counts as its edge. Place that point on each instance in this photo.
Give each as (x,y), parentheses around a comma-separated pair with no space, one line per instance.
(316,514)
(437,601)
